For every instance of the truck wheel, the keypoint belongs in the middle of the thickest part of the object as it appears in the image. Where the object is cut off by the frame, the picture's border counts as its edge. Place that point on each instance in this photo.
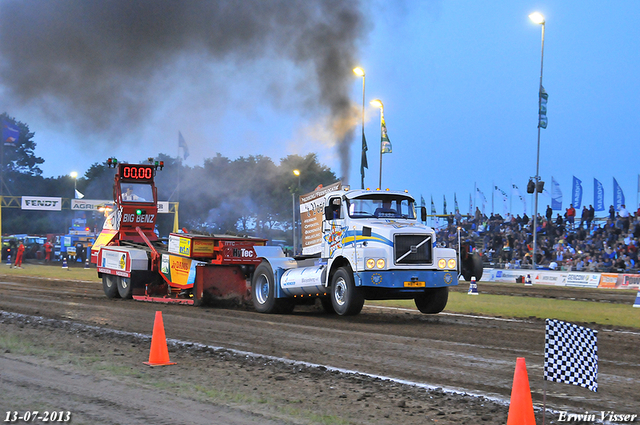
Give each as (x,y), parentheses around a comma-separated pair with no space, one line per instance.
(478,267)
(263,292)
(433,300)
(346,299)
(110,286)
(124,287)
(327,305)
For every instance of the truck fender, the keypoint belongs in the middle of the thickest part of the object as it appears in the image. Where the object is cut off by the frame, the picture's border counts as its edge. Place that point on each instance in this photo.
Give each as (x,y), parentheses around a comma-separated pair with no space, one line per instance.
(275,257)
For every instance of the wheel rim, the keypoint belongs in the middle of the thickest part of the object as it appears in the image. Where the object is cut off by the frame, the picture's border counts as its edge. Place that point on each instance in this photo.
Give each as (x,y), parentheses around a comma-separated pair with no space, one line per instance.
(340,292)
(124,283)
(262,289)
(109,282)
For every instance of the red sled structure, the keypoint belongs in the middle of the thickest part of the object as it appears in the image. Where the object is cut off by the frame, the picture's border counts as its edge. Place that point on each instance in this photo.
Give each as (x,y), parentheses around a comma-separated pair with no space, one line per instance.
(186,269)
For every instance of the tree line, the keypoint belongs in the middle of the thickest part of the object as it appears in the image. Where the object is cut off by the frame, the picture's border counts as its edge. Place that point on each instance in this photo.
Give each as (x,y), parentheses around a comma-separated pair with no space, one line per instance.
(248,195)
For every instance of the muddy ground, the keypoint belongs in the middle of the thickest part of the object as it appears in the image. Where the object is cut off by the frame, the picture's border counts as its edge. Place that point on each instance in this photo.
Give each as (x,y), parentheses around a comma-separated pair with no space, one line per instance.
(65,347)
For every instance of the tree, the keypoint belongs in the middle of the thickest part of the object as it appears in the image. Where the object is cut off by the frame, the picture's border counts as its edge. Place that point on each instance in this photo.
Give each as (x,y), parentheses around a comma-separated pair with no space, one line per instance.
(18,159)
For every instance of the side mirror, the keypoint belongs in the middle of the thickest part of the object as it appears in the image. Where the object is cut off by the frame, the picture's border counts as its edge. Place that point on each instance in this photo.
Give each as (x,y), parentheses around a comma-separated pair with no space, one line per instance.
(328,213)
(423,213)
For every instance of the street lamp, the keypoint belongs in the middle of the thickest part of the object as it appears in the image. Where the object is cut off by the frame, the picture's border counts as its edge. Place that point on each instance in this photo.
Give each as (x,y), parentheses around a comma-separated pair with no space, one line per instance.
(296,172)
(378,103)
(537,18)
(74,176)
(360,72)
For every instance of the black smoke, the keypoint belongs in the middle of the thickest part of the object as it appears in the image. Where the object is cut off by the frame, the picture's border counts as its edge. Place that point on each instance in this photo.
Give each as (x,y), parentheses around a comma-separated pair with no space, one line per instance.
(97,65)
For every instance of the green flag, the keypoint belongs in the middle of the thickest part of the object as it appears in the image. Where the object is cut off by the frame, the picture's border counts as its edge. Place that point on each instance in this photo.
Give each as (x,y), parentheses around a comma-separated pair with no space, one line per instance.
(386,144)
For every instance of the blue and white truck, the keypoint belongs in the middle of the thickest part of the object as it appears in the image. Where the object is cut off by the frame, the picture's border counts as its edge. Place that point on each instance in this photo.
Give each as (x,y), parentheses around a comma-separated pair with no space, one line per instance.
(356,245)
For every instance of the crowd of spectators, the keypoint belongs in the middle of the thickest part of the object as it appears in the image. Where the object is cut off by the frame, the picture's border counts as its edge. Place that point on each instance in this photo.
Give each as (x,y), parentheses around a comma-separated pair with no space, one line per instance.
(571,241)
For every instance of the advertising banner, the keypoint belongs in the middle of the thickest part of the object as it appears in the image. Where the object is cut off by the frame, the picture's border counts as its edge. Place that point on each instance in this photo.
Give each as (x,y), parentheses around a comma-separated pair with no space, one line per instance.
(549,278)
(608,280)
(179,270)
(88,204)
(586,280)
(42,203)
(311,214)
(163,207)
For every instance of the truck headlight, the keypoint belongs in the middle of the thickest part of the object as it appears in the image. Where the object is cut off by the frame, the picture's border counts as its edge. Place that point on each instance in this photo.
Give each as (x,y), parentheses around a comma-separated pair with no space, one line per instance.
(371,263)
(442,263)
(380,263)
(451,263)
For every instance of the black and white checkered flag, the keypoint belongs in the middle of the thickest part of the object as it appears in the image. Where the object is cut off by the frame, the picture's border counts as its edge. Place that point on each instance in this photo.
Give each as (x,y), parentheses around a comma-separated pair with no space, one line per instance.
(571,354)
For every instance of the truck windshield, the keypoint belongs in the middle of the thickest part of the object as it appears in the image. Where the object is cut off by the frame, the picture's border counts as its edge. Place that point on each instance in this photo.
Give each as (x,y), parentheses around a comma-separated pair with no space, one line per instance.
(381,206)
(137,192)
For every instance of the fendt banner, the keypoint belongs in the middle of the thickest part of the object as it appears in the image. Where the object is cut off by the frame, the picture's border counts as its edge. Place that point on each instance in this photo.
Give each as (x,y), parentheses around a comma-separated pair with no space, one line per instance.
(42,203)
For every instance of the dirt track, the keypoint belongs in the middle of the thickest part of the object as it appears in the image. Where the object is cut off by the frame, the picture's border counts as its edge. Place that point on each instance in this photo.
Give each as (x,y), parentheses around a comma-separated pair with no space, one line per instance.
(469,354)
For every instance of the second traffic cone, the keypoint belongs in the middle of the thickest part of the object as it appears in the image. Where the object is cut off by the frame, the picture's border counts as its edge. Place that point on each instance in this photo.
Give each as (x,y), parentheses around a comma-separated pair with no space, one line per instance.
(637,301)
(473,287)
(521,406)
(159,354)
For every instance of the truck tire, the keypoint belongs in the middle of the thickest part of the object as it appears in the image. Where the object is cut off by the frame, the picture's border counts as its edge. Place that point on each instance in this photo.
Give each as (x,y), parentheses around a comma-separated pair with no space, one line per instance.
(124,287)
(346,298)
(327,305)
(263,292)
(110,286)
(432,300)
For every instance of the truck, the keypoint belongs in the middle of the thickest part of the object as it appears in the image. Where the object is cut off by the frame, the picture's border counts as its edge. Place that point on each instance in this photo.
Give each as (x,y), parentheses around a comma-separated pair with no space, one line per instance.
(133,262)
(357,245)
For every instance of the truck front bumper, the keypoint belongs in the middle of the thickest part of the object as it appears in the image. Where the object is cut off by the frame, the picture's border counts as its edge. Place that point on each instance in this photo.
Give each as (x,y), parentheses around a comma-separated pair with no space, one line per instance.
(409,280)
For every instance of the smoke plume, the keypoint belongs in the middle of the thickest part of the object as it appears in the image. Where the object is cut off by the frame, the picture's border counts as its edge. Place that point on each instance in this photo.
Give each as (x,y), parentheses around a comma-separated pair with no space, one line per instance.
(100,64)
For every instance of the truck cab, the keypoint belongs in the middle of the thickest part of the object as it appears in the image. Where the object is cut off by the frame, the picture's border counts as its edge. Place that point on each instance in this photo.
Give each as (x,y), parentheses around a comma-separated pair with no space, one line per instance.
(357,245)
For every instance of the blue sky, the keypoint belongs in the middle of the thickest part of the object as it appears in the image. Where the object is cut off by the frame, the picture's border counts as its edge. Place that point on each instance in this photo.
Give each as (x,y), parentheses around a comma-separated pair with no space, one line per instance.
(459,83)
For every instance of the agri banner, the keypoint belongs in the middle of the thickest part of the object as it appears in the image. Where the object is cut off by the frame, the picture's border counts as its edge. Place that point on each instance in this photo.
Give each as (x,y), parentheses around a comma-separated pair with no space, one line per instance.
(88,204)
(42,203)
(311,215)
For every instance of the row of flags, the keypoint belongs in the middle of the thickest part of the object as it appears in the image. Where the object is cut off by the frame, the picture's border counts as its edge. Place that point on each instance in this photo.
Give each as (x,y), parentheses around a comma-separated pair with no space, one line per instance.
(502,198)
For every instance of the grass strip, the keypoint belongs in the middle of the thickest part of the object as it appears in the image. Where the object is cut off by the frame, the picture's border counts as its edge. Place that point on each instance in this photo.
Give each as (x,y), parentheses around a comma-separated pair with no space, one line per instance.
(542,308)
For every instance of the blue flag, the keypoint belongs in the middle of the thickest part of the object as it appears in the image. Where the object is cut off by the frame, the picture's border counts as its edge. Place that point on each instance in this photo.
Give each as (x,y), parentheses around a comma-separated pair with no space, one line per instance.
(598,196)
(10,134)
(556,195)
(576,193)
(182,144)
(433,207)
(444,198)
(618,195)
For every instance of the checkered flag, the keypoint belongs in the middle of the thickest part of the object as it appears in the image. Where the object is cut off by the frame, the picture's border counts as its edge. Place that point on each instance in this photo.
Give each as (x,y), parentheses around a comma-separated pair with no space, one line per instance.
(571,354)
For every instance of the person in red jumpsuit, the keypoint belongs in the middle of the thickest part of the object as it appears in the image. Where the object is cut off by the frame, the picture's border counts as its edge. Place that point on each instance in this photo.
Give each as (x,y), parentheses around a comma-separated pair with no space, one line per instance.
(19,255)
(47,250)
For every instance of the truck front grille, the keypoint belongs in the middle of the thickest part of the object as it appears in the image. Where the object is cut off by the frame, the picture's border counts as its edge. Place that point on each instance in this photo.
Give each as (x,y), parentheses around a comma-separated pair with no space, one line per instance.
(413,249)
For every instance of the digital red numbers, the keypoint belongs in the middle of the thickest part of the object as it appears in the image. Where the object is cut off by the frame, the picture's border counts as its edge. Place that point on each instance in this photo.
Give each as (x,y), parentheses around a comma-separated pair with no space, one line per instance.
(136,172)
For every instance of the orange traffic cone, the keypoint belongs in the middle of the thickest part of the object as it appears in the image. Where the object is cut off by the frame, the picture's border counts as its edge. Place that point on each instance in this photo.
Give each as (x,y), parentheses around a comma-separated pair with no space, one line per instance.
(159,354)
(521,406)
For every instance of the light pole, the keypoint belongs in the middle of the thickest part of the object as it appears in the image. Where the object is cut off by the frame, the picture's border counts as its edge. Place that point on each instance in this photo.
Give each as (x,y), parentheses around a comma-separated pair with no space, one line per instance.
(74,176)
(378,103)
(538,19)
(360,72)
(296,172)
